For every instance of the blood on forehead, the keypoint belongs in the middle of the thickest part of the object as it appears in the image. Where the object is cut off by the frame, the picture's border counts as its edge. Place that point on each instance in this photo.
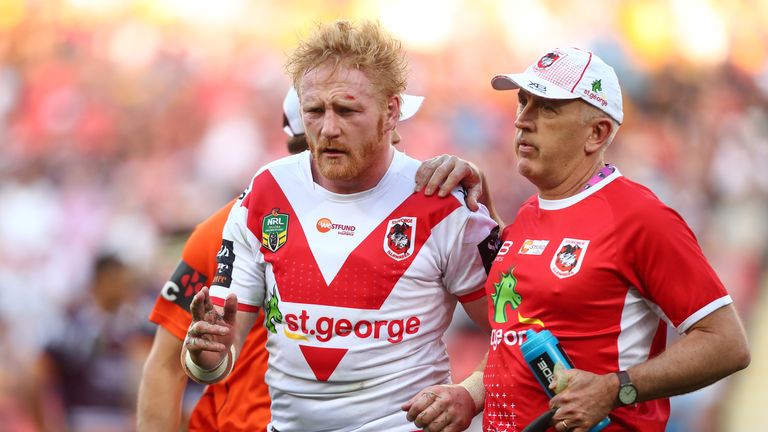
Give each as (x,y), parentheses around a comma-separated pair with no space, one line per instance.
(350,97)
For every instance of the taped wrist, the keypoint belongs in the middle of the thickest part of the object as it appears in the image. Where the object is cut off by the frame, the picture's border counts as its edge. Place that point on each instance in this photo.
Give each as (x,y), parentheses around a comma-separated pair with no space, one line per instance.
(211,376)
(476,388)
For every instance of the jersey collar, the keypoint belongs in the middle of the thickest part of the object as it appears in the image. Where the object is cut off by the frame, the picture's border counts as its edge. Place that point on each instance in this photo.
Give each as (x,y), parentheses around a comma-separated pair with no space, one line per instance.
(394,167)
(559,204)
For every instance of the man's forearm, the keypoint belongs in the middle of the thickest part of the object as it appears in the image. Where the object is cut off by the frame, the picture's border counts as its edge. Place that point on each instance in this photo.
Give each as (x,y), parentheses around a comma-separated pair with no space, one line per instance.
(713,349)
(162,386)
(474,384)
(477,311)
(160,397)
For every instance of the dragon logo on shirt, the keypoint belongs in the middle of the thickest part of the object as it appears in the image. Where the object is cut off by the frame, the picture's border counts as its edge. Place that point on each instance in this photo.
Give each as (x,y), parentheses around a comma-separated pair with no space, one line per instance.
(567,257)
(398,242)
(567,261)
(398,236)
(505,295)
(272,312)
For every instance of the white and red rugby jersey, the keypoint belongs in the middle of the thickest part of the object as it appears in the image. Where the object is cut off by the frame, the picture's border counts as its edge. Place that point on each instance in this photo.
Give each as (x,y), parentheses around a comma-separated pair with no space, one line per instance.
(605,271)
(357,290)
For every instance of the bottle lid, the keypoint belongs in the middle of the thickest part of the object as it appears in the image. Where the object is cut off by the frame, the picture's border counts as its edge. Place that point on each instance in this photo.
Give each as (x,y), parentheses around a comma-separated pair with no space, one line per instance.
(534,340)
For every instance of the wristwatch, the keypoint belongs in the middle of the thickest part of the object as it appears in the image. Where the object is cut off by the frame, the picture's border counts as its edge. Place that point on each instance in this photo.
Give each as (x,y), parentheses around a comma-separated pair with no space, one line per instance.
(627,390)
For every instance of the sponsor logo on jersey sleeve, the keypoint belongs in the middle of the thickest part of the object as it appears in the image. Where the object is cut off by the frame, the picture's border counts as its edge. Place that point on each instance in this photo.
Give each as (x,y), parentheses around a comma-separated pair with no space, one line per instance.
(183,285)
(488,248)
(225,258)
(274,230)
(398,241)
(568,258)
(533,247)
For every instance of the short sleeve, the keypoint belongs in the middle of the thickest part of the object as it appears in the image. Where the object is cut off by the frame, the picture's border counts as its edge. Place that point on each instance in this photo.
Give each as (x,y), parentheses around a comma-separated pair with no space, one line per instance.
(240,264)
(668,267)
(465,272)
(194,271)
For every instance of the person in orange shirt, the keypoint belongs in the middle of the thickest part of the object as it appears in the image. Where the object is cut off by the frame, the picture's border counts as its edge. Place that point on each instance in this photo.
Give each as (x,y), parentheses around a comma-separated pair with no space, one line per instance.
(241,402)
(163,381)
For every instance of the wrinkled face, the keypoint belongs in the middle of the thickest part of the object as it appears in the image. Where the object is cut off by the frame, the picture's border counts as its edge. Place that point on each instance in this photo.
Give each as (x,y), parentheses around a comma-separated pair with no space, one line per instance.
(550,137)
(348,127)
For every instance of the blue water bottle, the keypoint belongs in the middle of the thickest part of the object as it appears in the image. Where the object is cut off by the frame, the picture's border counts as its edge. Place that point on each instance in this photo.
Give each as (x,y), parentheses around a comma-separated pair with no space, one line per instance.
(542,351)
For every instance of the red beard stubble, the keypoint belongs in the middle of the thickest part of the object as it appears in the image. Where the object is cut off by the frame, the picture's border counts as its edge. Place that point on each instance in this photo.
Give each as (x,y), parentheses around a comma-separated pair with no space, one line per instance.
(357,160)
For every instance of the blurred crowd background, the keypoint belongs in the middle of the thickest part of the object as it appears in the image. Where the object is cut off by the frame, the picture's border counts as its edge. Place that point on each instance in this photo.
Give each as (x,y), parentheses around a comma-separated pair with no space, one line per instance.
(123,123)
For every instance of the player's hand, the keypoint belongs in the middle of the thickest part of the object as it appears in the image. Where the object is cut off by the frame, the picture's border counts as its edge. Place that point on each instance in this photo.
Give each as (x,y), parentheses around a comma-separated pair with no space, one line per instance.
(586,399)
(443,173)
(210,333)
(441,408)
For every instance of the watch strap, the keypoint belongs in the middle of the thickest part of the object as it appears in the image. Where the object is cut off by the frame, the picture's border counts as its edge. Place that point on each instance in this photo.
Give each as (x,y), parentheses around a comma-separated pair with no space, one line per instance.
(626,383)
(623,378)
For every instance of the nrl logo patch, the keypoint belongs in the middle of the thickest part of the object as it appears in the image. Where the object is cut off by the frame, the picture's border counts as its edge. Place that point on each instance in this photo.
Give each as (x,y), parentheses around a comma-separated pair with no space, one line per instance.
(399,238)
(274,230)
(568,258)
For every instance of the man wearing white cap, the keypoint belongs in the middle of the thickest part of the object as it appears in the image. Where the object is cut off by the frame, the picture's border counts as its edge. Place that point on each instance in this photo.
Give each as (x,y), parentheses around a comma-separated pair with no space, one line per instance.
(357,275)
(601,263)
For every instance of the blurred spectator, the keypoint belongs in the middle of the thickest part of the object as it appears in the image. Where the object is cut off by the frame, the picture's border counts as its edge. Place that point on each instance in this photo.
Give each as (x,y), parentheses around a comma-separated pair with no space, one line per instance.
(87,376)
(13,371)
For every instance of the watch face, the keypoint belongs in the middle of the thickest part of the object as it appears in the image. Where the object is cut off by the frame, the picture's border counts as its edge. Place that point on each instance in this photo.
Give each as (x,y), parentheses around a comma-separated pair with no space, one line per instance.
(628,394)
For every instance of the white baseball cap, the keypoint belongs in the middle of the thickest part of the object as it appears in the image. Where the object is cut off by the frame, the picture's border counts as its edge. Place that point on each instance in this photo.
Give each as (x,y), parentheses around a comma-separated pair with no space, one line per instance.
(569,73)
(293,126)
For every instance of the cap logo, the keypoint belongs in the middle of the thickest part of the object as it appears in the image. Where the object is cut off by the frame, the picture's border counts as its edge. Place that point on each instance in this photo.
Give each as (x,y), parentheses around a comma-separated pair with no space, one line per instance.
(536,86)
(596,94)
(547,60)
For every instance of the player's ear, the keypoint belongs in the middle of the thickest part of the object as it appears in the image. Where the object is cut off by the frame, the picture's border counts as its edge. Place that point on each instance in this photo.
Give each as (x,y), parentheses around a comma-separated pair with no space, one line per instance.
(396,137)
(392,112)
(600,129)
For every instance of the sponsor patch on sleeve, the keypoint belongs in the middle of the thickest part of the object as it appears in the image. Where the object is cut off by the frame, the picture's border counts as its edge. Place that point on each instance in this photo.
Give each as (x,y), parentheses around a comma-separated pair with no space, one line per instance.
(225,259)
(183,285)
(489,247)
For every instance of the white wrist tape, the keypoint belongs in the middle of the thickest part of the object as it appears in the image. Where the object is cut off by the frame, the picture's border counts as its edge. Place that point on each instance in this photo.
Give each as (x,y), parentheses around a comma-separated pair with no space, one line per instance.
(204,376)
(476,388)
(233,351)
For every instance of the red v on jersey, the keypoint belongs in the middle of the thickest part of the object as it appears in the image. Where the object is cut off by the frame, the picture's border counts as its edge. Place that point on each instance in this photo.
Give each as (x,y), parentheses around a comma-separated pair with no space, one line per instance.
(357,284)
(322,361)
(352,286)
